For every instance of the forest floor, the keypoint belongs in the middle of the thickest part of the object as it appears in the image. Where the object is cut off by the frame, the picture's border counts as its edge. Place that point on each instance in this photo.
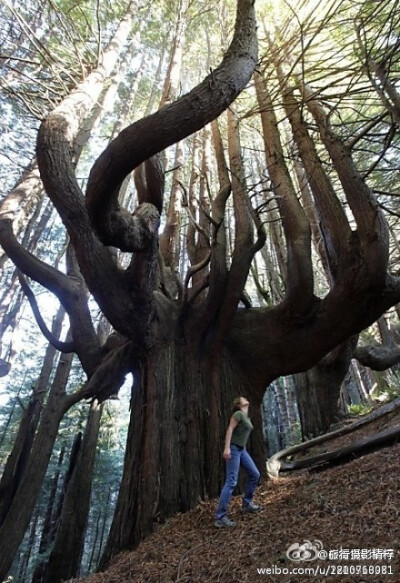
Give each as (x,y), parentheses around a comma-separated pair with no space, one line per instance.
(347,512)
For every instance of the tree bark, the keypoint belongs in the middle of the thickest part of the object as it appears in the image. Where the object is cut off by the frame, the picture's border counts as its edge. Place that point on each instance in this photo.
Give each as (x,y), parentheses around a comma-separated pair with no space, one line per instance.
(65,557)
(19,456)
(17,519)
(318,392)
(49,522)
(168,457)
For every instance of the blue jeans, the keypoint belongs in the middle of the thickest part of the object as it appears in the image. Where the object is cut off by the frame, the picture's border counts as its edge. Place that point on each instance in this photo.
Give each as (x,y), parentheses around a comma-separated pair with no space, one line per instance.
(239,457)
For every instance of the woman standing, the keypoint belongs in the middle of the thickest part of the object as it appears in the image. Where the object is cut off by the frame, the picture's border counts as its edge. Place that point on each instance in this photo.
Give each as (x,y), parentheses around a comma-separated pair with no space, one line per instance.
(235,455)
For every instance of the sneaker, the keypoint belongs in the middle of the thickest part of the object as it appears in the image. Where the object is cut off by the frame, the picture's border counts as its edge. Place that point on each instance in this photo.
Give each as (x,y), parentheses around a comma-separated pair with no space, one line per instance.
(250,508)
(223,522)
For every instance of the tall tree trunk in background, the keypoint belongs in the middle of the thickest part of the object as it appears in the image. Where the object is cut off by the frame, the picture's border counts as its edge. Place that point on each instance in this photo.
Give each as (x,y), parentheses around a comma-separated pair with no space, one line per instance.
(157,79)
(97,539)
(318,391)
(28,199)
(170,239)
(23,563)
(106,520)
(19,456)
(292,409)
(275,437)
(49,522)
(65,557)
(17,519)
(172,81)
(7,422)
(355,391)
(279,392)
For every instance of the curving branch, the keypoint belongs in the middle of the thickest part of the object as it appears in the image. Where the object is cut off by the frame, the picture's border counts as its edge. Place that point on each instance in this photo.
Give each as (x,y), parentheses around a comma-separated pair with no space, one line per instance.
(195,269)
(269,331)
(334,225)
(378,357)
(58,344)
(48,276)
(372,234)
(172,123)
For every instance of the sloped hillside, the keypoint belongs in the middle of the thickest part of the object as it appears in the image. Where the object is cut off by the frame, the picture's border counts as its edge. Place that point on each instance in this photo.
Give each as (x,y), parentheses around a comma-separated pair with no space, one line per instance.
(350,513)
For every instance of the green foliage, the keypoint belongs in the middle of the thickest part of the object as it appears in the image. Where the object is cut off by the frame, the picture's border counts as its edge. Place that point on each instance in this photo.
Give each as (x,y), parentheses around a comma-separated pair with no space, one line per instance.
(394,380)
(360,409)
(391,388)
(295,435)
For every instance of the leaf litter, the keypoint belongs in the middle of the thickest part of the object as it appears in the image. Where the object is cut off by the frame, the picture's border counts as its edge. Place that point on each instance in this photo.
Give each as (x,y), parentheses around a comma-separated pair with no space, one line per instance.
(345,510)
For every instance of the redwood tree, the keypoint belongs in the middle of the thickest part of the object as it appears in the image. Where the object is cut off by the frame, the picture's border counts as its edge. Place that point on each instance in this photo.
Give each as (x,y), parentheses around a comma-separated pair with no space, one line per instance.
(191,345)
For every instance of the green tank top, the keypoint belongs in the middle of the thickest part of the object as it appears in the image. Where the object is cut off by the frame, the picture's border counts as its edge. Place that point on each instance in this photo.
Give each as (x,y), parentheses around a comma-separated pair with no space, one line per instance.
(242,430)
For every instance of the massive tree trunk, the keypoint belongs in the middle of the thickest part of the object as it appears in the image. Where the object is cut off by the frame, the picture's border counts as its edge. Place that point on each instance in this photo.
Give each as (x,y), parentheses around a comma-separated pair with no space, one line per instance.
(168,458)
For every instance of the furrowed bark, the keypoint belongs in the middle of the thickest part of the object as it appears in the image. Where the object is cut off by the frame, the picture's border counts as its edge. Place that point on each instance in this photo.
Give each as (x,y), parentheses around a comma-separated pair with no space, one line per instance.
(218,266)
(244,247)
(334,225)
(372,230)
(299,290)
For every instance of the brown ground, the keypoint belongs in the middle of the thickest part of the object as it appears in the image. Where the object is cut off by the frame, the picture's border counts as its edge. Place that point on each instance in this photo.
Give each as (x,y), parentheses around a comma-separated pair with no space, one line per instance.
(353,506)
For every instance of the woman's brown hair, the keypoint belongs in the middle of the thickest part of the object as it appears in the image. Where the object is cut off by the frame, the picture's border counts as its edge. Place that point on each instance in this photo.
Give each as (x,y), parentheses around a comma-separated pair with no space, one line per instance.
(236,404)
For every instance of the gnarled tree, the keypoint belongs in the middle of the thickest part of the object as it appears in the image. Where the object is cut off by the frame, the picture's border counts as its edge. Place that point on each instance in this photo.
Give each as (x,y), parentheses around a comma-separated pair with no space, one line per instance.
(190,344)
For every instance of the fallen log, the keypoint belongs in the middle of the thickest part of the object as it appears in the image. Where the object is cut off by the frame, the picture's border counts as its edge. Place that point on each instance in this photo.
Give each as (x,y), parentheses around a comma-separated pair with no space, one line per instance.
(277,463)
